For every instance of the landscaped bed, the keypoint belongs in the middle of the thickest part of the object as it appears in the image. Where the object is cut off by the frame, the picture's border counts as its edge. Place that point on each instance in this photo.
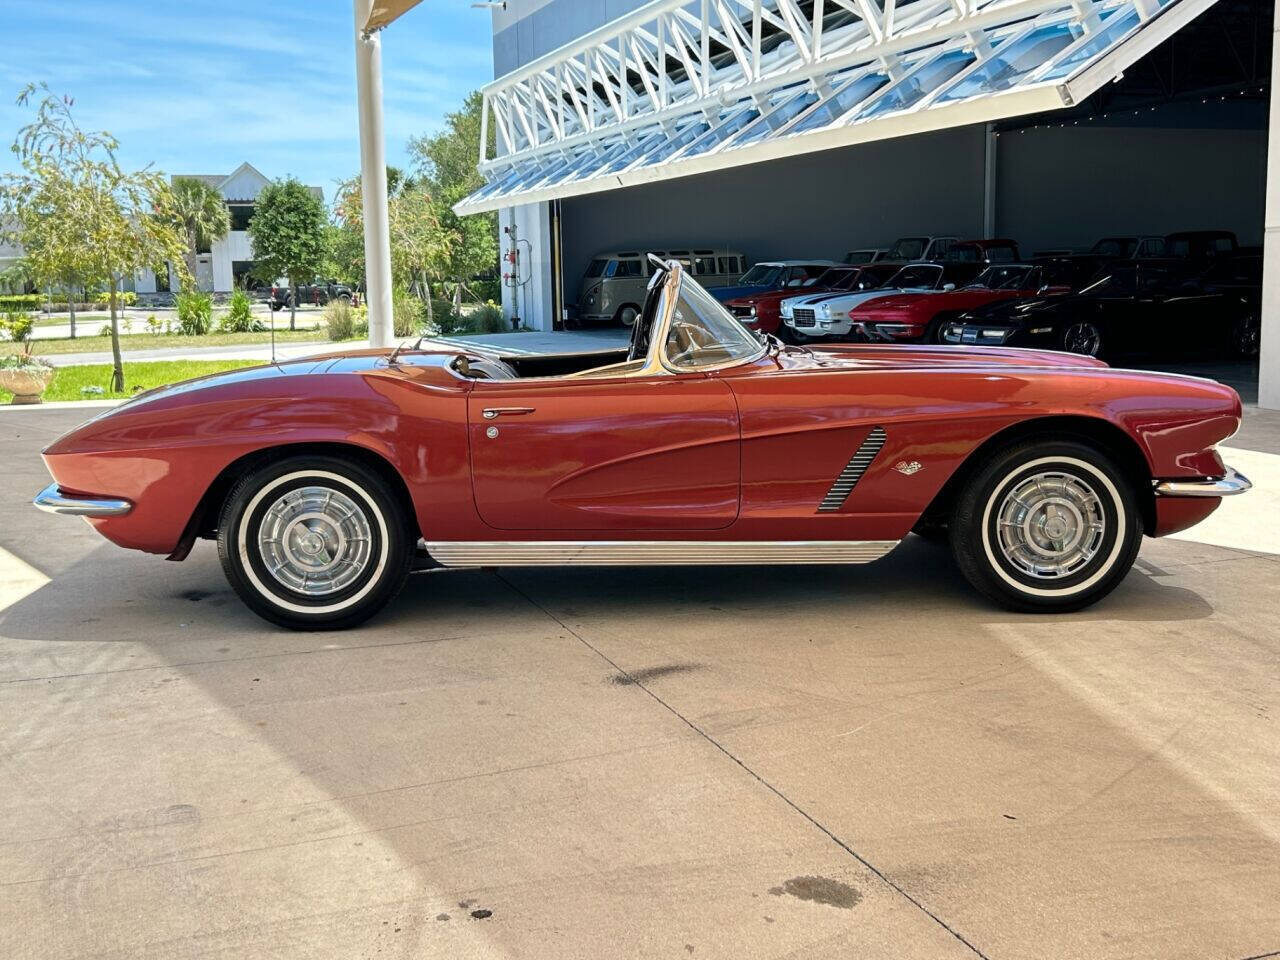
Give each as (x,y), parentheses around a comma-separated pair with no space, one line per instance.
(69,382)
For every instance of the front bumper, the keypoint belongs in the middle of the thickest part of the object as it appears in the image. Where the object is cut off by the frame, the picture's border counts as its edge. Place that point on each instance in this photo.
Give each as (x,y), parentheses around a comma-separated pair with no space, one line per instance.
(819,326)
(52,500)
(1227,485)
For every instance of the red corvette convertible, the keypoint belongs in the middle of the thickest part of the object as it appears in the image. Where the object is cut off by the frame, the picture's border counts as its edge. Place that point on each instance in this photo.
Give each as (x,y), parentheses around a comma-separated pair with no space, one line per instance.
(325,481)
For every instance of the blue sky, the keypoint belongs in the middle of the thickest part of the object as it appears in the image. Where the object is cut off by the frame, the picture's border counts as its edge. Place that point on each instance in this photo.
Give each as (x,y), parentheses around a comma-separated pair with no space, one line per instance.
(199,87)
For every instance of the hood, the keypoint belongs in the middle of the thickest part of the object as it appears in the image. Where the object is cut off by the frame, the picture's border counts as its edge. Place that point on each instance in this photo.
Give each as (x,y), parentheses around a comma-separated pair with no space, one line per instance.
(1013,310)
(725,294)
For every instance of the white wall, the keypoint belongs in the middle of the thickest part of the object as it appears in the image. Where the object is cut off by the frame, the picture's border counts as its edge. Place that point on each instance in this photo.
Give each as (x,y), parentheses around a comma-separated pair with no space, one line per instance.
(532,299)
(234,246)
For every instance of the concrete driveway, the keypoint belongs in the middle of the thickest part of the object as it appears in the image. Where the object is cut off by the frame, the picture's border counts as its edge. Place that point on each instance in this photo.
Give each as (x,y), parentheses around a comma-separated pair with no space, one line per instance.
(731,763)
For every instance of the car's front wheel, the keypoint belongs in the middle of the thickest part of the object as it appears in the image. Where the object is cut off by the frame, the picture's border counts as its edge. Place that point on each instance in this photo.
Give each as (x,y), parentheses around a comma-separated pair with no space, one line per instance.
(315,542)
(1046,526)
(1083,338)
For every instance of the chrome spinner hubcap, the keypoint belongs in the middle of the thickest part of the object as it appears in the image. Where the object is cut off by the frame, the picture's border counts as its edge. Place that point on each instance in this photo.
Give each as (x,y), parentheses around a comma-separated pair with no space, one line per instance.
(1051,525)
(315,540)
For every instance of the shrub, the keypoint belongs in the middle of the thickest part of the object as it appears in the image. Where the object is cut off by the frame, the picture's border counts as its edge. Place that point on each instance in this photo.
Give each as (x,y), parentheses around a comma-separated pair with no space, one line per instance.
(345,322)
(487,318)
(339,320)
(17,326)
(195,313)
(406,313)
(239,317)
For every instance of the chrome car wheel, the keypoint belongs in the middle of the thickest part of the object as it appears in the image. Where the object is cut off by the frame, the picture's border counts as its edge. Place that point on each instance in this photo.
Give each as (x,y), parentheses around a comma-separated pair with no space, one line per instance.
(1050,525)
(1082,338)
(315,540)
(1046,525)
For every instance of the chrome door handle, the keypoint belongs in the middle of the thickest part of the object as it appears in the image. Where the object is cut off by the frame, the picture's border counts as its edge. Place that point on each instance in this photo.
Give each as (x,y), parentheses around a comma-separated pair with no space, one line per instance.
(493,413)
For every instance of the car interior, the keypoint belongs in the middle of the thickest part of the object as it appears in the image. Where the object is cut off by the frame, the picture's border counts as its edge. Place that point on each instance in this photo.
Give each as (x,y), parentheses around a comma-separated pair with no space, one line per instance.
(701,334)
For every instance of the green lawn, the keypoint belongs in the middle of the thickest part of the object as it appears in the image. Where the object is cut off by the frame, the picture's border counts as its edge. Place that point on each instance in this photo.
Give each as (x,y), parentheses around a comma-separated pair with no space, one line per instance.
(68,381)
(43,321)
(147,341)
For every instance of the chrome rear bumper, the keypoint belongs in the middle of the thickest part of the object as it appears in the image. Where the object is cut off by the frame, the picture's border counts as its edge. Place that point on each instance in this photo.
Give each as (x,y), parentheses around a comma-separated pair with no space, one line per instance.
(53,500)
(1226,486)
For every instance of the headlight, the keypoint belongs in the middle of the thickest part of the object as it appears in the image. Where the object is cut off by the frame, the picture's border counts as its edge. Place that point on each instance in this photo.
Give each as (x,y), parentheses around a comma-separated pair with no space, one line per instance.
(753,311)
(993,334)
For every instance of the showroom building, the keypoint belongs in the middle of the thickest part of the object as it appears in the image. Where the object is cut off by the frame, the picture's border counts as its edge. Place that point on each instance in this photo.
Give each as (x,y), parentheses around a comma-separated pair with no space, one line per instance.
(808,128)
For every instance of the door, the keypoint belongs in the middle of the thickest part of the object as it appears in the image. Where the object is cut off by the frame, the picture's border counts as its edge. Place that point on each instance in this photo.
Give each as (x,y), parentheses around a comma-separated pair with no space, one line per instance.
(616,455)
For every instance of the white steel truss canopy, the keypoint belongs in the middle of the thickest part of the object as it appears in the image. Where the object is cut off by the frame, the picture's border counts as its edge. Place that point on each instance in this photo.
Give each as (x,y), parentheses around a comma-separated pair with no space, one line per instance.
(680,87)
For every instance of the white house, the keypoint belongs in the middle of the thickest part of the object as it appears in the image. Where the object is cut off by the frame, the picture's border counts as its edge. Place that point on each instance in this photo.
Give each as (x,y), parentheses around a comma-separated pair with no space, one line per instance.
(230,261)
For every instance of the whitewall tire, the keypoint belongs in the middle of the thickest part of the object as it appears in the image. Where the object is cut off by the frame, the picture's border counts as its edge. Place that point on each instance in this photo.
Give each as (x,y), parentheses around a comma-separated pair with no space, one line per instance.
(1046,526)
(315,542)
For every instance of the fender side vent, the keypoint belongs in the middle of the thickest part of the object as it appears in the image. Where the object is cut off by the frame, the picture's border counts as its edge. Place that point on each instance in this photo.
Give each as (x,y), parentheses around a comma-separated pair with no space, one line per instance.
(853,471)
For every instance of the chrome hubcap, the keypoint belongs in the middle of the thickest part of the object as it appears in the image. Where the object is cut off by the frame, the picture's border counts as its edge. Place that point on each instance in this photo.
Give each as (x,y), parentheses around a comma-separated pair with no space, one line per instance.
(315,540)
(1051,525)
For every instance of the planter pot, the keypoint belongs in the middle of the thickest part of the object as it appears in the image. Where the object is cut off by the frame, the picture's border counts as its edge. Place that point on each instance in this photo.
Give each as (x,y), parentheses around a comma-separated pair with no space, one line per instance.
(25,383)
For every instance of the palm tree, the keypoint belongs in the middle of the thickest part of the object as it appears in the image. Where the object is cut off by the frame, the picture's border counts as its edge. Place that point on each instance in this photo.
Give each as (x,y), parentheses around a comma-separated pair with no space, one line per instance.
(202,217)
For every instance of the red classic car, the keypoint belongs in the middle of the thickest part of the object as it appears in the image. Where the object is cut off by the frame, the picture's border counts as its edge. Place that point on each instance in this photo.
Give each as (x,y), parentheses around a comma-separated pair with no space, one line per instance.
(326,481)
(920,317)
(761,311)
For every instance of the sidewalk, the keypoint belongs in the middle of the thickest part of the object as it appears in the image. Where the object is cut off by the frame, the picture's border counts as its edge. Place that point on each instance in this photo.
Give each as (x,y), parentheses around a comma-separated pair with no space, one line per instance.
(249,351)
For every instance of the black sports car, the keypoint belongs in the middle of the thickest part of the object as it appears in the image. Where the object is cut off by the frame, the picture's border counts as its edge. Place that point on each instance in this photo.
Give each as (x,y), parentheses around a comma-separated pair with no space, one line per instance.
(1149,307)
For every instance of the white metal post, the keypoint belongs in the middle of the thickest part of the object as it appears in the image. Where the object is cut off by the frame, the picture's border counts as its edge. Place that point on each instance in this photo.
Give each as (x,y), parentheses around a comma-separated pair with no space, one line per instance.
(373,179)
(990,179)
(1269,363)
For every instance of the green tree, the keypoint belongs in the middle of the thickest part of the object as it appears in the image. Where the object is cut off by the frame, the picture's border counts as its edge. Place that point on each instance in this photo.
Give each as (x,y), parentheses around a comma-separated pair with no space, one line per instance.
(77,213)
(202,217)
(288,234)
(446,168)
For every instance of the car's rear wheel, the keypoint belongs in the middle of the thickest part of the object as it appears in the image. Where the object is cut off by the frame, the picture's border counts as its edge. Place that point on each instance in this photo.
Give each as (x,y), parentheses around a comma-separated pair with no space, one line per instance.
(315,542)
(1046,526)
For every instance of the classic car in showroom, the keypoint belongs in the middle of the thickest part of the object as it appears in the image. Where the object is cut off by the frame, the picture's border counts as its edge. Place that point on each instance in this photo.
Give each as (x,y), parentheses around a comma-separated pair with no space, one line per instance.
(325,481)
(1139,307)
(829,315)
(763,311)
(921,317)
(773,275)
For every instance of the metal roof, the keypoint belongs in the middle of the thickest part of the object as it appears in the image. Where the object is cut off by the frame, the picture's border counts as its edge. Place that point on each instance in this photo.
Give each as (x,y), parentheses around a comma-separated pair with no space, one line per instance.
(679,88)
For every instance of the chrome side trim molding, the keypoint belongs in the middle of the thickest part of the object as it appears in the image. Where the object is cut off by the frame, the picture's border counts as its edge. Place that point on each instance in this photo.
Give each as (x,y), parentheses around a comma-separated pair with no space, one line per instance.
(853,471)
(597,553)
(1226,486)
(52,500)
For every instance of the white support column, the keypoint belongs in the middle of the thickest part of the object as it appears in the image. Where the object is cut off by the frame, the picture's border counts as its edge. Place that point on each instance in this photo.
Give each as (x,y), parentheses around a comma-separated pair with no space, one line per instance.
(373,179)
(531,298)
(1269,364)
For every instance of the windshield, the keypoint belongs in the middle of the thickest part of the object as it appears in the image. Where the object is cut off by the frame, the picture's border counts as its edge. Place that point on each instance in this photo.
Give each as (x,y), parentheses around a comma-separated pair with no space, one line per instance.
(703,333)
(763,274)
(916,275)
(908,248)
(596,268)
(1003,278)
